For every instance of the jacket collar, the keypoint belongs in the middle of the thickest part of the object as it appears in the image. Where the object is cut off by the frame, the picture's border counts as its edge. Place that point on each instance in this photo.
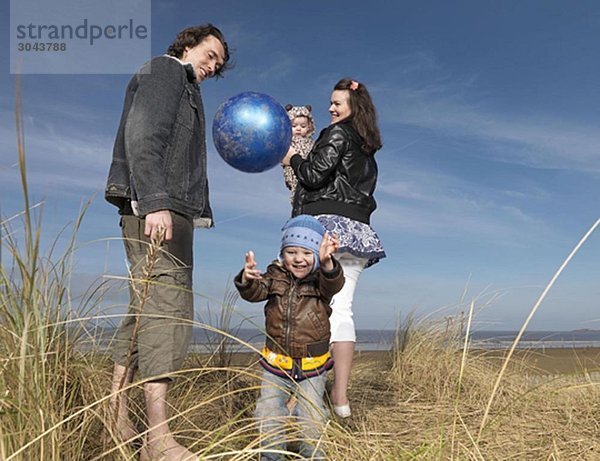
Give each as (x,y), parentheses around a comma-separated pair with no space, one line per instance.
(190,74)
(347,124)
(189,69)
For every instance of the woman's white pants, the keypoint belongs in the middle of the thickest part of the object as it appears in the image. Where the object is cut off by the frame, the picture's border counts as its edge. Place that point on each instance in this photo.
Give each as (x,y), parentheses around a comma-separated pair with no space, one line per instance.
(342,324)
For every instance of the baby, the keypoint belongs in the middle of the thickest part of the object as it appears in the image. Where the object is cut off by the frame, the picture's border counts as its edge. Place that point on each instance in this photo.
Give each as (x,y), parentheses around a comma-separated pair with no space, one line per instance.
(303,127)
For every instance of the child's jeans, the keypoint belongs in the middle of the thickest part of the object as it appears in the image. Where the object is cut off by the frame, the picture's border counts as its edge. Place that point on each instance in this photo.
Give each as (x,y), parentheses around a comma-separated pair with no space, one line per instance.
(271,414)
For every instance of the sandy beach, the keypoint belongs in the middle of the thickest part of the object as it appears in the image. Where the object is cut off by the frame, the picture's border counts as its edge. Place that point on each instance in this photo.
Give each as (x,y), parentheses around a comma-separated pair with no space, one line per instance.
(548,361)
(543,361)
(556,360)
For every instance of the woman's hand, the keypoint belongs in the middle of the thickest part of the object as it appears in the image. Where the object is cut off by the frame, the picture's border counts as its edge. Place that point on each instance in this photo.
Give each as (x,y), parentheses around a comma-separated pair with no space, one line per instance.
(250,270)
(329,245)
(290,153)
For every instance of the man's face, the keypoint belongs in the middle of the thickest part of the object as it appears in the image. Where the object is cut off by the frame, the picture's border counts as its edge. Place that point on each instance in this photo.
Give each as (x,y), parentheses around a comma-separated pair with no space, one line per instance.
(300,126)
(206,57)
(299,261)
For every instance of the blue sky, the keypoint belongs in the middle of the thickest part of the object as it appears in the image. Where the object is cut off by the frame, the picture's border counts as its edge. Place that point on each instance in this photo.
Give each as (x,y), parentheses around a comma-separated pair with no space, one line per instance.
(489,174)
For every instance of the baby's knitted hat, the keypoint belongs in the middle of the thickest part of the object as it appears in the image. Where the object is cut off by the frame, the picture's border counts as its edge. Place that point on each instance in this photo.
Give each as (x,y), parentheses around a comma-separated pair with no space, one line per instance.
(301,111)
(303,231)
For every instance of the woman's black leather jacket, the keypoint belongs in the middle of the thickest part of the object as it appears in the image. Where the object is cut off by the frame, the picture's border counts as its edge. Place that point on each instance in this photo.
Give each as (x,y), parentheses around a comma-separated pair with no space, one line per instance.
(337,177)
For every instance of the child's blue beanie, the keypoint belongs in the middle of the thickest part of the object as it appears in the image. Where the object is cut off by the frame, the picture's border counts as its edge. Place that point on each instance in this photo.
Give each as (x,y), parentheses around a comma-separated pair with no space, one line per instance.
(303,231)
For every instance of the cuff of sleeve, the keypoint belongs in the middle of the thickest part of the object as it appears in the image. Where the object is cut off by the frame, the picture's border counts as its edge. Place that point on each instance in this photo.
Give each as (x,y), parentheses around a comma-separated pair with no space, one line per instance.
(203,223)
(238,280)
(295,161)
(333,273)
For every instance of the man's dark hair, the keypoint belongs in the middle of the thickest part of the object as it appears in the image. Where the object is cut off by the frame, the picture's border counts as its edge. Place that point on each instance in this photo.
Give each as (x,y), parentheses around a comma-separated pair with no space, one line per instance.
(192,36)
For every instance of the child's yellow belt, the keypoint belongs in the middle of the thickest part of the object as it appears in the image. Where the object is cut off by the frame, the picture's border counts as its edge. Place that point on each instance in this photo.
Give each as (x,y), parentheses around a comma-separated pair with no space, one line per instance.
(286,363)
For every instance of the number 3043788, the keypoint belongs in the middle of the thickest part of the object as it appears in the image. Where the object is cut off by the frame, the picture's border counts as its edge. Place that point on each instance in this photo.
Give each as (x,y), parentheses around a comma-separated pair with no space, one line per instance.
(41,46)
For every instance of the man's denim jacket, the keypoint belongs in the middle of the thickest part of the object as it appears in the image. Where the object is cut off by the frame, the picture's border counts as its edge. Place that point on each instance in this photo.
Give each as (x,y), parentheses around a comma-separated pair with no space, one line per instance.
(160,149)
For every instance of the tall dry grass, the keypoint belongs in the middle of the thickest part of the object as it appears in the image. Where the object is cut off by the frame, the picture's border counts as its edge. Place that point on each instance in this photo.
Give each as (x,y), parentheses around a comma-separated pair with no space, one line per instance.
(430,398)
(430,404)
(42,377)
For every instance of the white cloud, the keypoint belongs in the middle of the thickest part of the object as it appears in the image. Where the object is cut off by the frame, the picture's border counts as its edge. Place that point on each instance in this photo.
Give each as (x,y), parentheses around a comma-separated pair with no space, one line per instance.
(428,203)
(57,159)
(282,65)
(426,96)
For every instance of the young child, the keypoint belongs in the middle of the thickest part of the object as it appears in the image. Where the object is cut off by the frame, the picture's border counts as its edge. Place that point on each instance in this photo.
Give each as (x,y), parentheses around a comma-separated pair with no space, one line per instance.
(303,127)
(298,289)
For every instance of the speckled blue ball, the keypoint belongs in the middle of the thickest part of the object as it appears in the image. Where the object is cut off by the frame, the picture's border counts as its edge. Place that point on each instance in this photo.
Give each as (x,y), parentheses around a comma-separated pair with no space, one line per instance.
(252,132)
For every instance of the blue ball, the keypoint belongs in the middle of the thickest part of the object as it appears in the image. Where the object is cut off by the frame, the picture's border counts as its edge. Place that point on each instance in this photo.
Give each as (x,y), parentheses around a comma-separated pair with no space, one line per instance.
(252,132)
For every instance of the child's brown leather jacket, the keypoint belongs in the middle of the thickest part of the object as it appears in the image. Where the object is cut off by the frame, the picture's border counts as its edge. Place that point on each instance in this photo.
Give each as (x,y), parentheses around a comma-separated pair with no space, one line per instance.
(297,311)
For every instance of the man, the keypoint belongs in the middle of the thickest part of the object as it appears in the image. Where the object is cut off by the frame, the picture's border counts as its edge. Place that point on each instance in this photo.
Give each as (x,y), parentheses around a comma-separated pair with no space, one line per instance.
(158,181)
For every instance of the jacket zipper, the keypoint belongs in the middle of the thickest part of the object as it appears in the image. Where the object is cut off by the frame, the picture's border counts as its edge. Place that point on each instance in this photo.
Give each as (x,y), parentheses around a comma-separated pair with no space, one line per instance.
(288,315)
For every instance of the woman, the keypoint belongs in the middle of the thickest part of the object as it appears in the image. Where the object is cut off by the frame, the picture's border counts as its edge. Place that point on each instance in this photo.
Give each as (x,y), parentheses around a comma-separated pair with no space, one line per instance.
(336,184)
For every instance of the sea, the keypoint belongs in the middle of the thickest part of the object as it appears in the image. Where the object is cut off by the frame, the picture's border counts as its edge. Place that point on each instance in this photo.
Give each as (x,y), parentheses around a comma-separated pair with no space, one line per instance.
(383,340)
(248,339)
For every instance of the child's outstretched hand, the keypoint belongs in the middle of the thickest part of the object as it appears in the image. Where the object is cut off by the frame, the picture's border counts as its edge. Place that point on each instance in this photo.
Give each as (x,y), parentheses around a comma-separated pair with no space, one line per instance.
(250,270)
(329,245)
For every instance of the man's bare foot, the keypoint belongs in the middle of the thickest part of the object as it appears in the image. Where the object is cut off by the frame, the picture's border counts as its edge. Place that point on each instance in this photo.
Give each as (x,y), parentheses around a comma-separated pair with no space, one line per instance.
(121,428)
(127,432)
(122,432)
(166,449)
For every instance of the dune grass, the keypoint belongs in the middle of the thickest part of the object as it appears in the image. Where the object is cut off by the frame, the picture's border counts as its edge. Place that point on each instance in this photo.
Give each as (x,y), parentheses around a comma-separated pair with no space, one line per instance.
(430,398)
(424,400)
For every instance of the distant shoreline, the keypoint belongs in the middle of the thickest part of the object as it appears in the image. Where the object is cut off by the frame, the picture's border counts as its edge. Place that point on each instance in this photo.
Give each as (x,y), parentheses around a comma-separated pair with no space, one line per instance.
(384,340)
(556,361)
